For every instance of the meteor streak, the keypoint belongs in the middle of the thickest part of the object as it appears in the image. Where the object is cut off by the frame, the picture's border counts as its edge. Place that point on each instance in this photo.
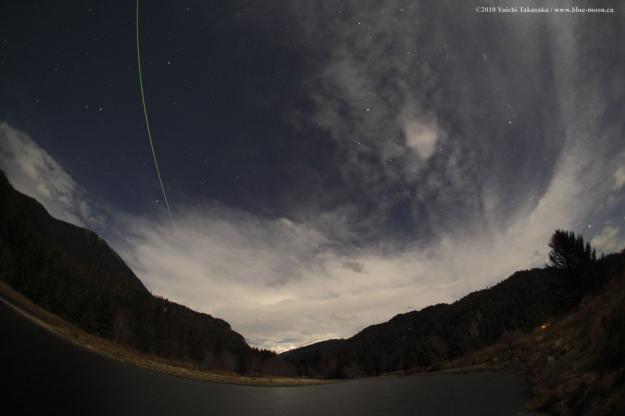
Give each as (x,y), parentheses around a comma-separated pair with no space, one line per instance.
(147,122)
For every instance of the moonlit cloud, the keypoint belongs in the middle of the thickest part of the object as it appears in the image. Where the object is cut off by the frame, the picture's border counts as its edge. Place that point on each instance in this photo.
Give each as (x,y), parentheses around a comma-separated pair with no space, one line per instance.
(619,177)
(284,284)
(421,137)
(608,240)
(32,171)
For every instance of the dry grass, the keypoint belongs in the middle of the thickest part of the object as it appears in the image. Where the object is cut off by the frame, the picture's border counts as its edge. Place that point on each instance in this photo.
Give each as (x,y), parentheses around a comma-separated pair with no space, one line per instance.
(59,327)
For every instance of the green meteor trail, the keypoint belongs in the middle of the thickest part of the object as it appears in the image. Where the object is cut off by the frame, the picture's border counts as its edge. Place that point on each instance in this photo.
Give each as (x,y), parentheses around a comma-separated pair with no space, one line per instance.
(147,122)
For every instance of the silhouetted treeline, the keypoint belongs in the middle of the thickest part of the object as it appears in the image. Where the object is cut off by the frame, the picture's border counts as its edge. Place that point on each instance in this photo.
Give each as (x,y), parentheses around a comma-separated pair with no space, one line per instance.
(73,273)
(419,339)
(569,251)
(576,263)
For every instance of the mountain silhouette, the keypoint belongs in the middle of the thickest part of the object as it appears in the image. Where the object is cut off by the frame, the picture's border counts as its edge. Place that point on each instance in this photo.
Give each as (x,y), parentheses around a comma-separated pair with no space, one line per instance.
(422,340)
(72,272)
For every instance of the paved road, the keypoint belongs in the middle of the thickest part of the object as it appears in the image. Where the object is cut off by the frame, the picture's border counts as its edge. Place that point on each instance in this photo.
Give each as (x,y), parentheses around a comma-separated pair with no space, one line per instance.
(45,372)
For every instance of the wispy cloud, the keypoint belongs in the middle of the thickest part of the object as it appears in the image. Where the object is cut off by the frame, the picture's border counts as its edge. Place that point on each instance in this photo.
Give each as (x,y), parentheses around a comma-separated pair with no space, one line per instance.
(421,136)
(35,173)
(608,240)
(428,122)
(619,174)
(284,284)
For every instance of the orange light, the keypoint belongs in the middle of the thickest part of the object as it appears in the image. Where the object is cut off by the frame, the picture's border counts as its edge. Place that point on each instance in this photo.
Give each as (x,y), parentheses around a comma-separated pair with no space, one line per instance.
(544,326)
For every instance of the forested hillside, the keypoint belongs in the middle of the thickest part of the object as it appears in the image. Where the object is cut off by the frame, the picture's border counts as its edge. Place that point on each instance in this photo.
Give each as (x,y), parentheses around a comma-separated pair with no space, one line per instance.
(73,273)
(421,339)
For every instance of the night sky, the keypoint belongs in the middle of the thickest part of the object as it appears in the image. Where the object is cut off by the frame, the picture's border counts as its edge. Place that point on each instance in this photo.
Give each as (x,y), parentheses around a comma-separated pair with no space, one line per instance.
(328,163)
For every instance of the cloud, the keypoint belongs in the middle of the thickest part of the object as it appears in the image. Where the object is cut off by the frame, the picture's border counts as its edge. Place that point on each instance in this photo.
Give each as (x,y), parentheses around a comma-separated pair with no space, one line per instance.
(426,124)
(354,266)
(366,84)
(421,137)
(283,283)
(32,171)
(619,177)
(608,241)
